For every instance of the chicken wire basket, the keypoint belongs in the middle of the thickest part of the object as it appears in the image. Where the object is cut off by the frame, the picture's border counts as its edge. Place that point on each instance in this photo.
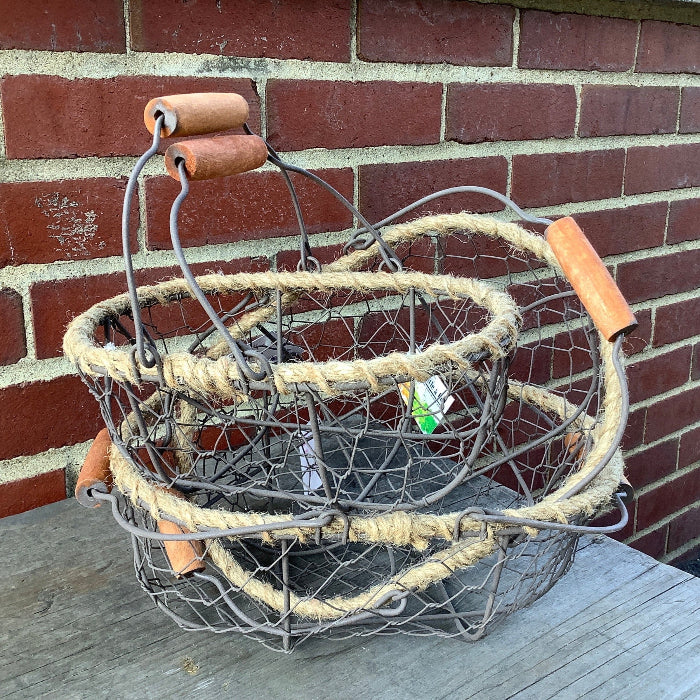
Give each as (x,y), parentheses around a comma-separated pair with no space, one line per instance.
(411,438)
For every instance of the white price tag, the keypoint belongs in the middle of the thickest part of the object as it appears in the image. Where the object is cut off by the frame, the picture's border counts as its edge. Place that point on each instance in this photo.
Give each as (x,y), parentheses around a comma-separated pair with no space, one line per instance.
(310,478)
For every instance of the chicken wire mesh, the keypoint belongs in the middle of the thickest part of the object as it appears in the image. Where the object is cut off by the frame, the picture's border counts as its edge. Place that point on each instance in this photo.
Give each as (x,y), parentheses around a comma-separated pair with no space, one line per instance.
(411,438)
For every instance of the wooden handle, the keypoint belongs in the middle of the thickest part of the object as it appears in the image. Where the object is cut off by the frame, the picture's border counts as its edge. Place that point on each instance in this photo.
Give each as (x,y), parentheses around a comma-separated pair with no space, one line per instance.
(185,556)
(95,472)
(590,278)
(196,113)
(216,157)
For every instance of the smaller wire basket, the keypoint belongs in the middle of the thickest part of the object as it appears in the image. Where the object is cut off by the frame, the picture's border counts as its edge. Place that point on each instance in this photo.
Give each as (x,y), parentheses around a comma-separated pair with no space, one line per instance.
(411,438)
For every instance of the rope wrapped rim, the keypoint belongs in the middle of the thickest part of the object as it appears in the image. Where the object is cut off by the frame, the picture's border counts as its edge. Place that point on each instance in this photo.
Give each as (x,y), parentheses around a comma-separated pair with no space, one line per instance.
(398,528)
(216,376)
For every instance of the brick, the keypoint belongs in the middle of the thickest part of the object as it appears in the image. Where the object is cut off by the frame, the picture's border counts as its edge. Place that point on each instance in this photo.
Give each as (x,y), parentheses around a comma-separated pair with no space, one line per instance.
(559,178)
(387,187)
(695,369)
(477,113)
(56,303)
(609,110)
(676,322)
(640,338)
(683,221)
(614,231)
(531,363)
(652,464)
(656,375)
(668,48)
(14,343)
(653,544)
(64,220)
(248,207)
(24,494)
(690,110)
(667,499)
(318,31)
(656,168)
(683,529)
(634,432)
(651,278)
(579,42)
(51,117)
(55,413)
(674,413)
(72,26)
(323,114)
(390,31)
(689,451)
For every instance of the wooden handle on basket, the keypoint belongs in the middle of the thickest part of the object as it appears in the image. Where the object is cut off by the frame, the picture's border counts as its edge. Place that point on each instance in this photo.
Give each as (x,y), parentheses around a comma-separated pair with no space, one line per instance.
(95,472)
(216,157)
(185,556)
(590,278)
(196,113)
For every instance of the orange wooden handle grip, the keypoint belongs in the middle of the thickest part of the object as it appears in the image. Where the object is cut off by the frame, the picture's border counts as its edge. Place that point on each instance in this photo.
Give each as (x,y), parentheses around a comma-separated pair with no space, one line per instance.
(95,470)
(185,556)
(196,113)
(216,157)
(590,278)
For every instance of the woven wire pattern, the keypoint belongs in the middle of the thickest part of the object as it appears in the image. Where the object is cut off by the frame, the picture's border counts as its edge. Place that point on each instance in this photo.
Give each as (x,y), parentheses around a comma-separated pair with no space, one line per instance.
(361,451)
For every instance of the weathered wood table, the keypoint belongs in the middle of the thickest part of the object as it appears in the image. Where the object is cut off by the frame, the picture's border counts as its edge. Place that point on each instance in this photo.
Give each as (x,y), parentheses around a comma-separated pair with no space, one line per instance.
(75,624)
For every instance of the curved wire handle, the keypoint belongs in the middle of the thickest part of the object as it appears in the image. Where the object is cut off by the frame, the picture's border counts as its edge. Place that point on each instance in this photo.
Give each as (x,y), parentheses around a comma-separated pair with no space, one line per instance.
(152,358)
(358,244)
(240,350)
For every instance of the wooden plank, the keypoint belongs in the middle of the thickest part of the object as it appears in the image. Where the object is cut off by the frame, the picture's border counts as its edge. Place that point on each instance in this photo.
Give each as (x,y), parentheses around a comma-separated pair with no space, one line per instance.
(75,623)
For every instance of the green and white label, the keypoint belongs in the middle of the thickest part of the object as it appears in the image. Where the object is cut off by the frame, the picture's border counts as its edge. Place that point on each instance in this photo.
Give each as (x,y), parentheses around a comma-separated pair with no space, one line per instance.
(431,400)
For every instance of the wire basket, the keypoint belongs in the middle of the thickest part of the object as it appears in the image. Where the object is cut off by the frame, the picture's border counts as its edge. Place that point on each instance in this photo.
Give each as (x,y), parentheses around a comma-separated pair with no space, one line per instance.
(408,439)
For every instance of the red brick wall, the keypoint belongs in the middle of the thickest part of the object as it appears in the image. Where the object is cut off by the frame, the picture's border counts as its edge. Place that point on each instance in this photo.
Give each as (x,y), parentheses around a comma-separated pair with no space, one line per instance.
(595,116)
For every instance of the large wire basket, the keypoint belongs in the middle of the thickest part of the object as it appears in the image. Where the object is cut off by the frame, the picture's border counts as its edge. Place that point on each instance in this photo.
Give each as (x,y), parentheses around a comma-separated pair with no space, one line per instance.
(411,438)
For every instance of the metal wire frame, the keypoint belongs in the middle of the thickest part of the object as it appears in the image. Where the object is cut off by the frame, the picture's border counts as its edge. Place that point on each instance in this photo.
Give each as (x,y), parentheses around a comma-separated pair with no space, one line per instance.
(464,605)
(519,458)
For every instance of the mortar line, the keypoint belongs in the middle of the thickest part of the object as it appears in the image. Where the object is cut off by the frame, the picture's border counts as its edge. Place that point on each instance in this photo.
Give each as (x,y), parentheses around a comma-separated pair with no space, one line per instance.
(578,89)
(68,457)
(516,38)
(260,84)
(680,551)
(678,113)
(72,65)
(663,522)
(668,218)
(127,26)
(142,229)
(3,150)
(443,113)
(636,47)
(31,170)
(670,394)
(30,339)
(509,176)
(668,479)
(354,58)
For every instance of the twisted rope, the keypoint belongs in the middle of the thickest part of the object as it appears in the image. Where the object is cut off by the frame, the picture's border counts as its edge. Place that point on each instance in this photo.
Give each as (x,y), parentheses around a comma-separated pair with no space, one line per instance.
(217,377)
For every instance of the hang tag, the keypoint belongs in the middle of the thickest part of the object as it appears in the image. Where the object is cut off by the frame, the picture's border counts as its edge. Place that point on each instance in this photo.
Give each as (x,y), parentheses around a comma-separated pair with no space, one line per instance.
(310,478)
(431,400)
